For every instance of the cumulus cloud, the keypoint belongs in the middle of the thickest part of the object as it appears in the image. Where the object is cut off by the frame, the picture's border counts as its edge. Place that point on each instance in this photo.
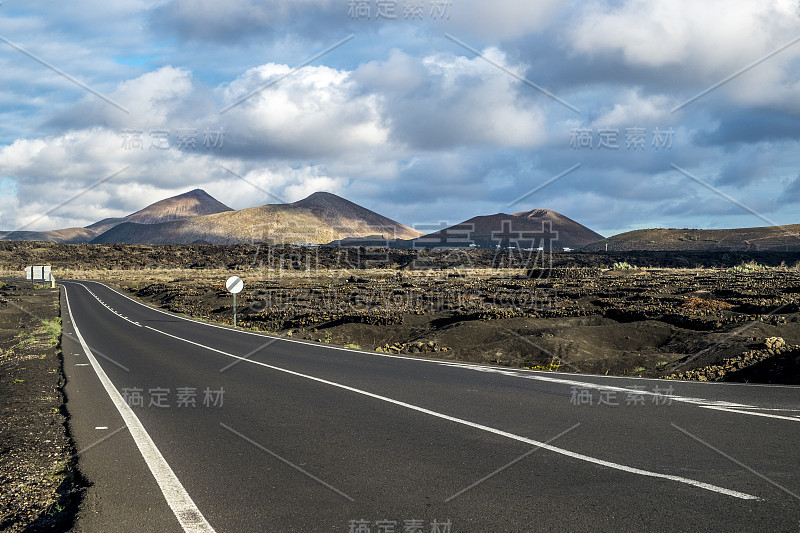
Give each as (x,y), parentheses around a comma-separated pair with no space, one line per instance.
(342,124)
(633,108)
(714,35)
(312,112)
(700,41)
(400,118)
(454,100)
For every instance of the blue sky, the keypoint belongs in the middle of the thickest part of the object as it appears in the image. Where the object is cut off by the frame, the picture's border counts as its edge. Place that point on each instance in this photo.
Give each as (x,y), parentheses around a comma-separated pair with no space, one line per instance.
(397,112)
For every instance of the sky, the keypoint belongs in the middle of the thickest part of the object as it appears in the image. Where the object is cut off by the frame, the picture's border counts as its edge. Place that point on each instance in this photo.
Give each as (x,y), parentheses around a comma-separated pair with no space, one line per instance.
(620,114)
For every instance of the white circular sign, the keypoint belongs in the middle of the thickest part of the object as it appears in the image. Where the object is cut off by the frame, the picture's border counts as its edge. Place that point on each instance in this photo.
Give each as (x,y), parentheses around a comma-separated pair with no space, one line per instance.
(234,284)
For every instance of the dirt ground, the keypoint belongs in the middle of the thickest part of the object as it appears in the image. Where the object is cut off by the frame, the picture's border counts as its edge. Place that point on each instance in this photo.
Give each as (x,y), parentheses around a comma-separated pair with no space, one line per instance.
(39,489)
(708,324)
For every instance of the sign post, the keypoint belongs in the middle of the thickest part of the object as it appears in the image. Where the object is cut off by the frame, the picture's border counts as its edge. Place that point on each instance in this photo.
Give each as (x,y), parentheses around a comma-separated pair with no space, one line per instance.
(234,285)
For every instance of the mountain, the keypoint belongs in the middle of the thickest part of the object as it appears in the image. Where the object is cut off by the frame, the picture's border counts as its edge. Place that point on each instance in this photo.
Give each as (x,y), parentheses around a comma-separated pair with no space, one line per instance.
(189,204)
(777,238)
(528,229)
(353,220)
(571,234)
(318,219)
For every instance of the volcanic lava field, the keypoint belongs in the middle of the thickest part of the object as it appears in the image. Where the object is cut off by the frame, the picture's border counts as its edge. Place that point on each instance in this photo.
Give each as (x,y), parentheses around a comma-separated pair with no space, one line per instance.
(691,315)
(660,322)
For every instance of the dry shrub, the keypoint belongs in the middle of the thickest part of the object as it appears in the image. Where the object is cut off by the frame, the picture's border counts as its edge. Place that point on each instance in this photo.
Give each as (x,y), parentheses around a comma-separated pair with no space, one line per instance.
(700,303)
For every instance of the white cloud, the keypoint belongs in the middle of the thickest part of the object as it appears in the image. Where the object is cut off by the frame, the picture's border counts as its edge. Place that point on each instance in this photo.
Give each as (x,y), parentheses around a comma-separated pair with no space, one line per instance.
(278,182)
(633,109)
(714,36)
(701,44)
(314,111)
(466,102)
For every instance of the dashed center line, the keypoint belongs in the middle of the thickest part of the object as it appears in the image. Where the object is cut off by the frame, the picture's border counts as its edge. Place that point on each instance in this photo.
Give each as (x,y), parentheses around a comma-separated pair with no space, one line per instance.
(108,306)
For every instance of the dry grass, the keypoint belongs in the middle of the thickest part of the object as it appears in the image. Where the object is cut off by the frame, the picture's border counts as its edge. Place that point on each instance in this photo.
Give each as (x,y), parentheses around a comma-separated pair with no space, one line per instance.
(261,274)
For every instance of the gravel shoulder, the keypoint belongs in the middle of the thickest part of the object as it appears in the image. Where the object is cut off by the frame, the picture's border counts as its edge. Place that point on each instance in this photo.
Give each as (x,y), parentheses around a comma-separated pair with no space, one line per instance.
(40,487)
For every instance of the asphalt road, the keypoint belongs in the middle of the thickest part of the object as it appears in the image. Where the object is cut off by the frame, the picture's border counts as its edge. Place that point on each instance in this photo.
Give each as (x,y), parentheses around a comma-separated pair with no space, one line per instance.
(188,426)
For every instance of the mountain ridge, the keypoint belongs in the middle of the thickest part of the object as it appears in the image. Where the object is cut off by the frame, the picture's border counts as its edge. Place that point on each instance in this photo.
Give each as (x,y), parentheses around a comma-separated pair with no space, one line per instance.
(760,238)
(526,229)
(320,218)
(192,203)
(324,217)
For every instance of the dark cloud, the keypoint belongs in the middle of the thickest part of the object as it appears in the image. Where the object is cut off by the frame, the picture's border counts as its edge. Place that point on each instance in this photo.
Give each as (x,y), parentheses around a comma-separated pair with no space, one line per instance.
(235,21)
(791,194)
(750,126)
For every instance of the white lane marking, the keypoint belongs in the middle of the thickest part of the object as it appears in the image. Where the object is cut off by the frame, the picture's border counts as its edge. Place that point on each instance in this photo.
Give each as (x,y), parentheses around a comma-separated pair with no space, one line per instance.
(743,412)
(82,364)
(768,409)
(599,386)
(108,306)
(187,513)
(562,451)
(718,405)
(520,373)
(101,427)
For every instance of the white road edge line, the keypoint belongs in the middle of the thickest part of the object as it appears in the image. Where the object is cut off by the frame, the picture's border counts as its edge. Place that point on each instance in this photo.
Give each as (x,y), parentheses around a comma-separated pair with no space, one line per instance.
(187,513)
(562,451)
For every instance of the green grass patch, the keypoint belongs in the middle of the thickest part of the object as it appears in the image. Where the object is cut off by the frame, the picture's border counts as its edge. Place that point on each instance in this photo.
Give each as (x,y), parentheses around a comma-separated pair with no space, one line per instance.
(747,267)
(52,328)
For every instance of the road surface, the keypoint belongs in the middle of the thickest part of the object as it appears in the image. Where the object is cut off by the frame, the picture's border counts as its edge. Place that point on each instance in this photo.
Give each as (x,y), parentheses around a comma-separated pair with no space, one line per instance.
(186,426)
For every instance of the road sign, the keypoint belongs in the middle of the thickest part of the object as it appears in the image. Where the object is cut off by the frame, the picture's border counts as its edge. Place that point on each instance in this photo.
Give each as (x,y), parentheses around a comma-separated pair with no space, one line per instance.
(234,285)
(38,273)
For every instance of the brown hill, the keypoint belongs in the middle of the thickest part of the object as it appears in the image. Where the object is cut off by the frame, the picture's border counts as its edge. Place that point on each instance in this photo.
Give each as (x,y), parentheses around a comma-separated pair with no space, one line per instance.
(571,234)
(68,235)
(189,204)
(767,238)
(352,220)
(529,229)
(318,219)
